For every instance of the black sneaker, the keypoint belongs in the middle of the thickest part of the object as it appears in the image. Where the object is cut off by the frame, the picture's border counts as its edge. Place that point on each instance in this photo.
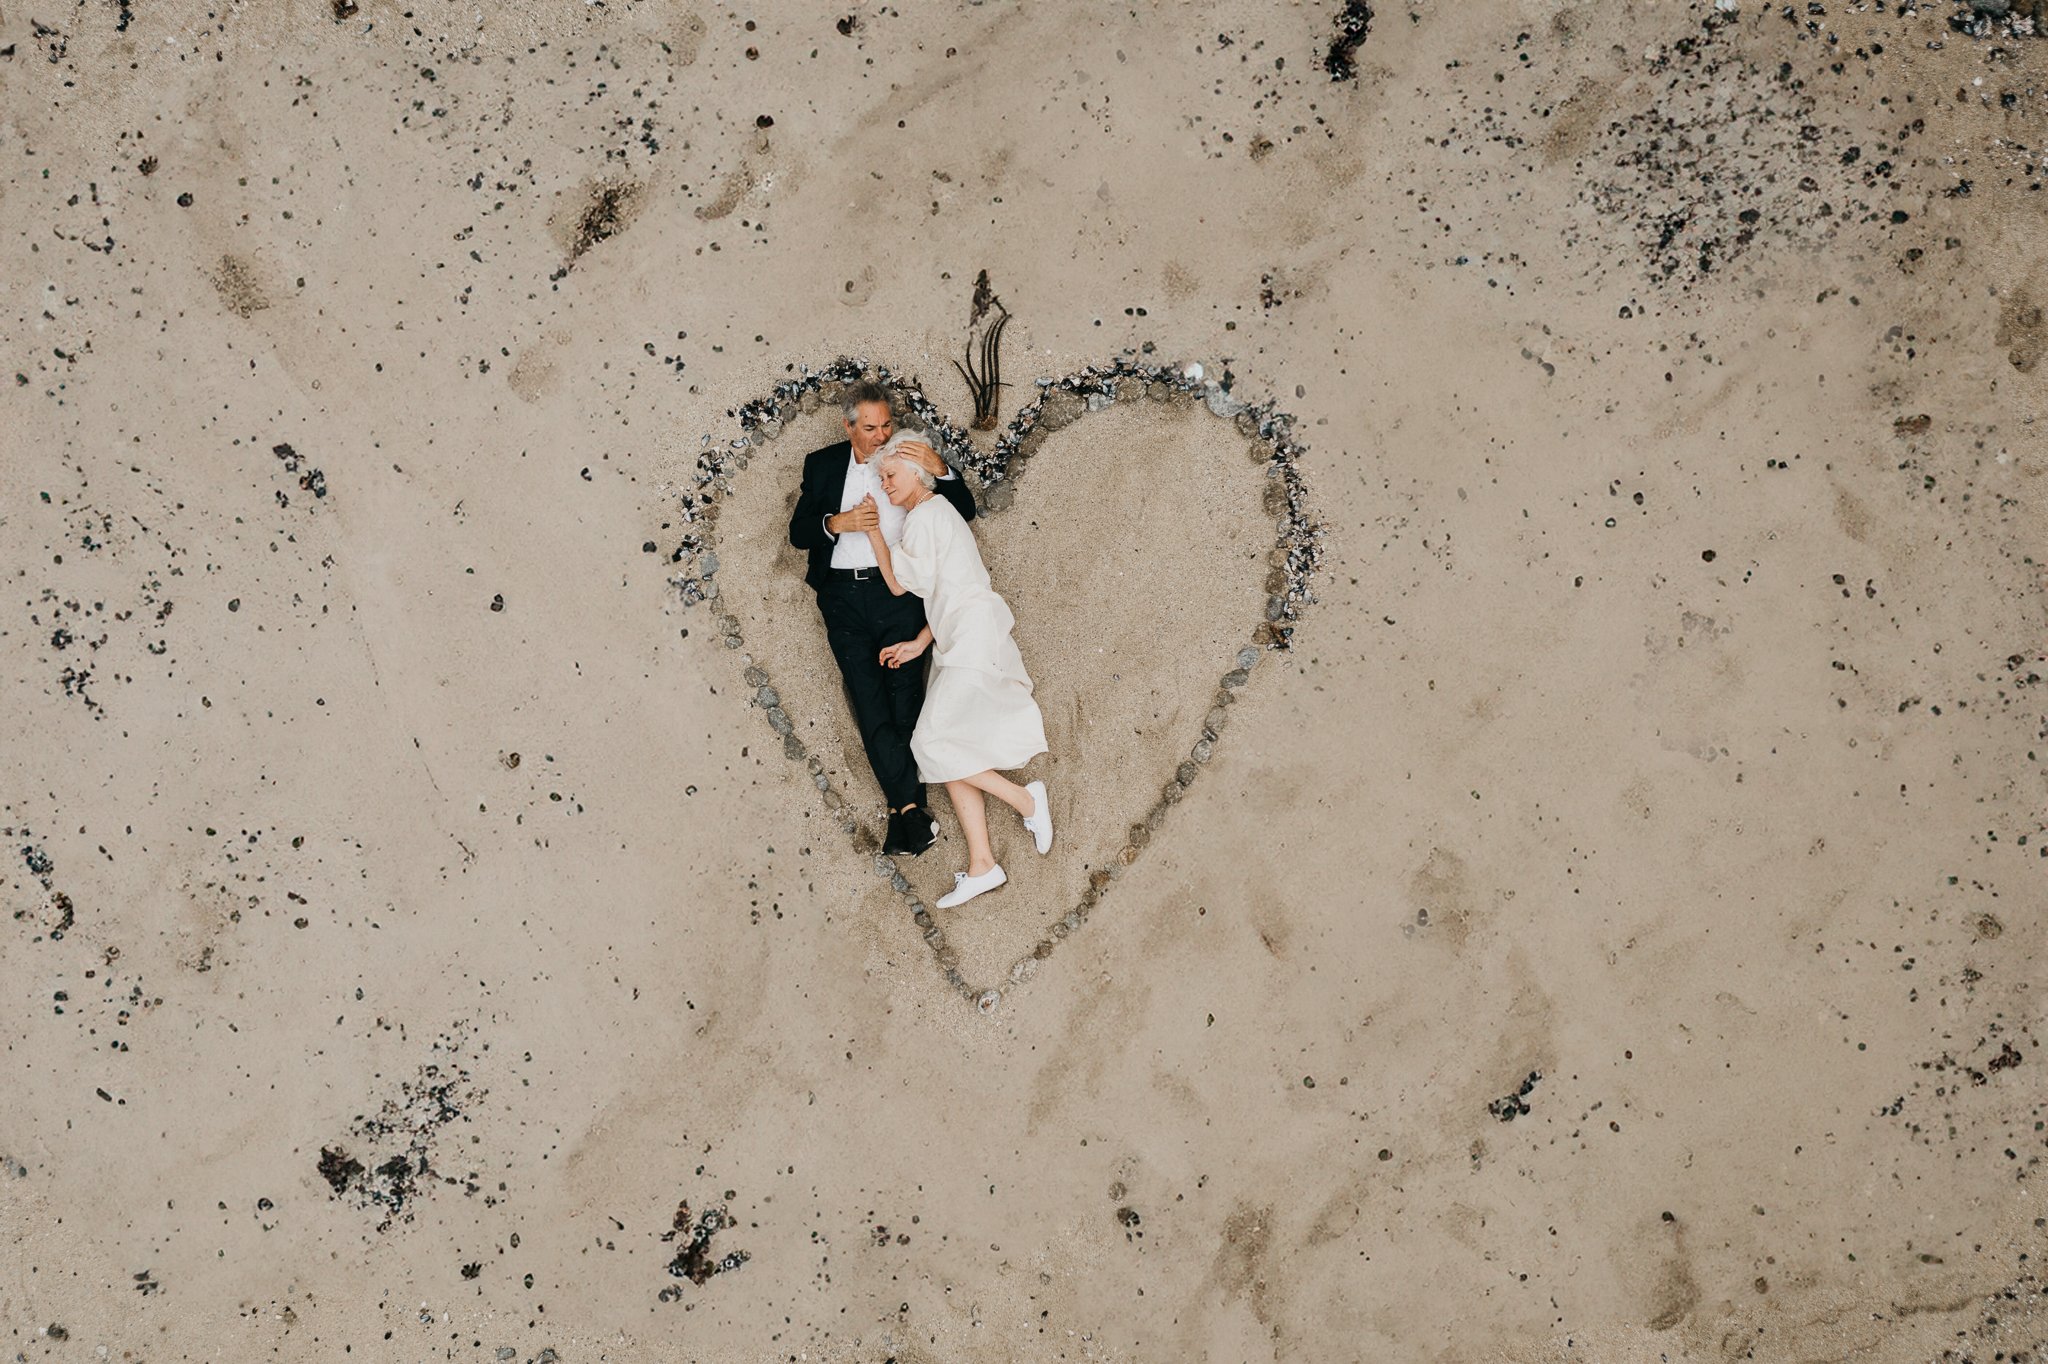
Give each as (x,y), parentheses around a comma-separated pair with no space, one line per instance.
(920,830)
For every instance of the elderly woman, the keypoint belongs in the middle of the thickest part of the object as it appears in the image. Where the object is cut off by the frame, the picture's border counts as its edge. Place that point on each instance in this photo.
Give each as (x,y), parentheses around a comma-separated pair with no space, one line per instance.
(978,714)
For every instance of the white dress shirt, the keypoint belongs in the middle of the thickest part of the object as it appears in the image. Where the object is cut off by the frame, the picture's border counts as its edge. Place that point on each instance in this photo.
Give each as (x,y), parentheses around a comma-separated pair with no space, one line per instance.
(854,550)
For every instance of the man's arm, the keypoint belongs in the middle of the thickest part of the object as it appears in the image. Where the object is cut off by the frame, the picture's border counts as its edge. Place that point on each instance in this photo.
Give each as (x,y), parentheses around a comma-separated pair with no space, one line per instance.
(807,523)
(955,490)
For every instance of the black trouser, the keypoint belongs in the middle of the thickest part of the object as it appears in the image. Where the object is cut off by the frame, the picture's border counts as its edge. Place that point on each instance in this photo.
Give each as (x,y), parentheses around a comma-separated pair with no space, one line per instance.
(862,618)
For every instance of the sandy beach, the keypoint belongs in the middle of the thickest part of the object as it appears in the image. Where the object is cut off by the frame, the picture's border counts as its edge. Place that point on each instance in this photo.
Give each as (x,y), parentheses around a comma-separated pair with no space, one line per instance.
(1546,720)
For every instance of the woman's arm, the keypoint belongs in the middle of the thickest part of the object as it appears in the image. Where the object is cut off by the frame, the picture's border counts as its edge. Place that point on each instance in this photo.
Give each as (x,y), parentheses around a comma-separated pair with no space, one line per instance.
(896,655)
(882,561)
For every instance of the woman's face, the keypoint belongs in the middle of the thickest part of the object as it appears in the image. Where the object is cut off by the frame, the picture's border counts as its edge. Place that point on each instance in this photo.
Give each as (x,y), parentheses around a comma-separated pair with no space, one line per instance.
(900,485)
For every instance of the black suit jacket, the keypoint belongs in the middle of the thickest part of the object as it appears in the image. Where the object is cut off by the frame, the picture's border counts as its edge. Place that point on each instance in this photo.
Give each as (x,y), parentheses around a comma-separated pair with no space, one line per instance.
(824,485)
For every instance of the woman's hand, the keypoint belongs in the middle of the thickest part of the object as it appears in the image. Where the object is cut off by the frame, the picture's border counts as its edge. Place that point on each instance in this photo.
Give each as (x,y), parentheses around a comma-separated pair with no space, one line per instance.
(896,655)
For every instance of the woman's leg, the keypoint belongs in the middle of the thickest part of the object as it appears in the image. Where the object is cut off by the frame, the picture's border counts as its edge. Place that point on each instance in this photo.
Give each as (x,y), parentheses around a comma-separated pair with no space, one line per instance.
(973,812)
(1003,789)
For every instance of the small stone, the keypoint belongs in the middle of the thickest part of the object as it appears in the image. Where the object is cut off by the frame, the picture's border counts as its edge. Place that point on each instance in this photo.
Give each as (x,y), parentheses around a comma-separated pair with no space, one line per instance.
(833,800)
(778,720)
(769,429)
(1186,773)
(1248,425)
(897,883)
(999,498)
(1140,835)
(885,867)
(1213,721)
(768,696)
(1098,402)
(1236,677)
(824,783)
(507,1352)
(1247,659)
(1158,393)
(1043,950)
(1202,750)
(734,642)
(1192,370)
(1276,608)
(1222,404)
(792,748)
(808,403)
(1061,408)
(1127,854)
(708,588)
(755,677)
(1173,793)
(707,564)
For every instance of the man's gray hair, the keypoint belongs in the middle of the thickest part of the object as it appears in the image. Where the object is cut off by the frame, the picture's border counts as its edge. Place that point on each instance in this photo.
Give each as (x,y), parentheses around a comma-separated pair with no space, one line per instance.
(893,450)
(863,393)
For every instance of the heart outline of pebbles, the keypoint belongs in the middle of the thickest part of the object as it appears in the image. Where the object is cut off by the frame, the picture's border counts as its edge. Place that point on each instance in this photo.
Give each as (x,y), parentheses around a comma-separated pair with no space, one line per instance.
(1293,562)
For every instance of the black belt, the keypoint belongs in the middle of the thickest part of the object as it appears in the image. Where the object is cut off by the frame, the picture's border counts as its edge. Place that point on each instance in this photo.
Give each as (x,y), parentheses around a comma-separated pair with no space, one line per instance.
(854,575)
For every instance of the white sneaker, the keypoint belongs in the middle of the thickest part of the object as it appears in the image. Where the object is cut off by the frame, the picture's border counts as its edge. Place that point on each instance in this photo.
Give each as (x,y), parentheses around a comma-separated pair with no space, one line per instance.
(966,887)
(1039,822)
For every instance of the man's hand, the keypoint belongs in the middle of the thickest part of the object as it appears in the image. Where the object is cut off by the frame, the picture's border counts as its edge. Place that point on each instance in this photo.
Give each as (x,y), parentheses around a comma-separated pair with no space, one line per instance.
(859,518)
(926,457)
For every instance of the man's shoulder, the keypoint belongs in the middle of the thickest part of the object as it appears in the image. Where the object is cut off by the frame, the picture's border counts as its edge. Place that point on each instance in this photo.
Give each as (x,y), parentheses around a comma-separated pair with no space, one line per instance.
(837,450)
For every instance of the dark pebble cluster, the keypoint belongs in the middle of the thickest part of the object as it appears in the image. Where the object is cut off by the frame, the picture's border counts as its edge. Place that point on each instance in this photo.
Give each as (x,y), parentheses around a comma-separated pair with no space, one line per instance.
(1516,1105)
(2000,18)
(405,1127)
(1354,21)
(1293,563)
(695,1260)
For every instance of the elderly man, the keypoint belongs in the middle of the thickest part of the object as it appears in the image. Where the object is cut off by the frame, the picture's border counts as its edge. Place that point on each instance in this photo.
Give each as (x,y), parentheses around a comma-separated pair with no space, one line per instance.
(841,500)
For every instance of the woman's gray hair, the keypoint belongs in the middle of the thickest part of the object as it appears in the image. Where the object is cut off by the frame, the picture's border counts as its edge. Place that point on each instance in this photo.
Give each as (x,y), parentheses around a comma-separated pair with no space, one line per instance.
(861,394)
(892,449)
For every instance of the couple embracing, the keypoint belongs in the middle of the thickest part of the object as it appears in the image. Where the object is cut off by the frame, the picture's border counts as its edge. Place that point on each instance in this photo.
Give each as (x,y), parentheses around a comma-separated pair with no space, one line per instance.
(898,576)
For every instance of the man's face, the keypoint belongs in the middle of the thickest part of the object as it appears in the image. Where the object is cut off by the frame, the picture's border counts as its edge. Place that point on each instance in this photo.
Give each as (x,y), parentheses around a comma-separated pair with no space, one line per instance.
(870,428)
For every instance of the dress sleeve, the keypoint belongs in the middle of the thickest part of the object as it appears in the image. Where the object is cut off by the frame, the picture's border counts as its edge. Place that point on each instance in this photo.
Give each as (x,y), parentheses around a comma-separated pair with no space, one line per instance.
(916,555)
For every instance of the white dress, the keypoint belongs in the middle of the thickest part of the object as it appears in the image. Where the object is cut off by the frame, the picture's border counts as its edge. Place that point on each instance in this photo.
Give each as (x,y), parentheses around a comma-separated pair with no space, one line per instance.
(978,712)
